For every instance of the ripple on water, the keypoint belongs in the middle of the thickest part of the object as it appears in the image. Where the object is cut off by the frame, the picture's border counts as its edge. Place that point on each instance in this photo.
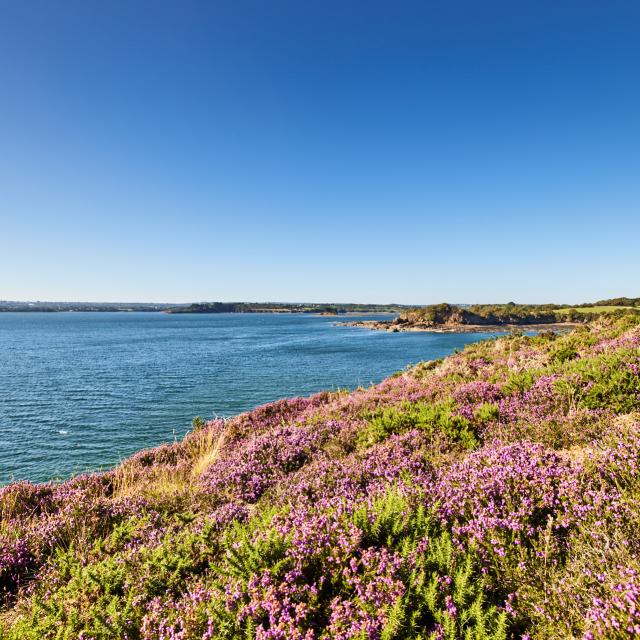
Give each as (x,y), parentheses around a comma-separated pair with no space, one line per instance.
(81,391)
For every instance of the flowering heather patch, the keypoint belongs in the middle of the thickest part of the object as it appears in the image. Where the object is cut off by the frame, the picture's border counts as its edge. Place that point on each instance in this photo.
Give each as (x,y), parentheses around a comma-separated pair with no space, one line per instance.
(257,464)
(15,561)
(629,339)
(491,495)
(617,614)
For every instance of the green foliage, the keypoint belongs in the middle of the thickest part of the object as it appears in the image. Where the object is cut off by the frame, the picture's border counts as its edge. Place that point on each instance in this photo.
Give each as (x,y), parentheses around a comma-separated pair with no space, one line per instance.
(431,575)
(606,381)
(435,574)
(616,302)
(512,314)
(487,412)
(519,382)
(426,368)
(103,599)
(432,418)
(563,352)
(618,390)
(198,423)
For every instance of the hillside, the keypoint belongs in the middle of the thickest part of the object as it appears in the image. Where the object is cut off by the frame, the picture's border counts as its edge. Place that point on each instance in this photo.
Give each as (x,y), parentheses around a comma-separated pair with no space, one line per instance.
(442,314)
(493,494)
(449,317)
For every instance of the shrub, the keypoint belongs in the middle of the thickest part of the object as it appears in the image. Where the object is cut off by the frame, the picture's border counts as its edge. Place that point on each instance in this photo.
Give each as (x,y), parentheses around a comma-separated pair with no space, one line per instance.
(434,419)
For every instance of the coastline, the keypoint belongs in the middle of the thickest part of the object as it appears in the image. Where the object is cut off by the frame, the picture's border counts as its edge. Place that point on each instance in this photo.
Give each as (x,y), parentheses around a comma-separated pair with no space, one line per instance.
(390,327)
(448,447)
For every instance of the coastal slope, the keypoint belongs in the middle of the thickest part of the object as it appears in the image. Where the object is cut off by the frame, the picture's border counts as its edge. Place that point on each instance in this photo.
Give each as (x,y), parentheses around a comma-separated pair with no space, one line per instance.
(449,318)
(492,494)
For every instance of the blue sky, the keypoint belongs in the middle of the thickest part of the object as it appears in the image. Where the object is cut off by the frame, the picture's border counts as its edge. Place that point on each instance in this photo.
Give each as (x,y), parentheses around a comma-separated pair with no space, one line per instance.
(321,151)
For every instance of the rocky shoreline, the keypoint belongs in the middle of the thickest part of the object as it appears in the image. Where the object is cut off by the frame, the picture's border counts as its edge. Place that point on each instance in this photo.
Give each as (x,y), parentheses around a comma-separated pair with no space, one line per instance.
(393,326)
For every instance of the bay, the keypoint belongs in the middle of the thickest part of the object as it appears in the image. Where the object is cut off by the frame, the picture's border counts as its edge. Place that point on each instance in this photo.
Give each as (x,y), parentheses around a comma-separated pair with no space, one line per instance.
(81,391)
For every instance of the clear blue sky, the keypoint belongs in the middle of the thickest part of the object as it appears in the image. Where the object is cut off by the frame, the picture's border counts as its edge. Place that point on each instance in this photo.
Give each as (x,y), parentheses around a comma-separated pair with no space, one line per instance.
(321,151)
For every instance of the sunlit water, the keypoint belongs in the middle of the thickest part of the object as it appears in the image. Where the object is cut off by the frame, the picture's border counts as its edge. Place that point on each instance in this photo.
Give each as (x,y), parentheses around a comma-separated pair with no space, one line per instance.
(81,391)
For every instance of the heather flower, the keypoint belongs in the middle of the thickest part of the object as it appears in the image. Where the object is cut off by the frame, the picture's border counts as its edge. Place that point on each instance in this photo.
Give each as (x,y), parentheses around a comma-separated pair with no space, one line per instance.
(299,520)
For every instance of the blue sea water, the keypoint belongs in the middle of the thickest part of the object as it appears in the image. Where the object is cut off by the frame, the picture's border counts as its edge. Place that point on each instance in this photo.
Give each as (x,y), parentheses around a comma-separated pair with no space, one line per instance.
(81,391)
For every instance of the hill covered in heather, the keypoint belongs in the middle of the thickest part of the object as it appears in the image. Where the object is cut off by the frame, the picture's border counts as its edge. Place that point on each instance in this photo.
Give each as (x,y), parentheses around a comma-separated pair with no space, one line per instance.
(493,494)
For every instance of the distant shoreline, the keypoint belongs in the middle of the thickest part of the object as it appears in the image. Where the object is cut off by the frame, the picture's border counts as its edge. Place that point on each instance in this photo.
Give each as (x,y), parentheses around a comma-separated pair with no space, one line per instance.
(337,309)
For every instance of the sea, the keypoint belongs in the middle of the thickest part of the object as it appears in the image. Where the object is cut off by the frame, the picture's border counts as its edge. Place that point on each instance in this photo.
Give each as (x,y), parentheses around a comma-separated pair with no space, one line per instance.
(81,391)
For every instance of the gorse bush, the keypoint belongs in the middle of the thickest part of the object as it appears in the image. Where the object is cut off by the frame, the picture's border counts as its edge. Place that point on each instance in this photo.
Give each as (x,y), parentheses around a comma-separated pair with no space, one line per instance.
(490,495)
(431,418)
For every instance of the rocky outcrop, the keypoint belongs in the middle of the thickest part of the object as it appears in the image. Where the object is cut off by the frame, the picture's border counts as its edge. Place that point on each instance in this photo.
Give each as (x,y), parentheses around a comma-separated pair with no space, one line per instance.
(451,318)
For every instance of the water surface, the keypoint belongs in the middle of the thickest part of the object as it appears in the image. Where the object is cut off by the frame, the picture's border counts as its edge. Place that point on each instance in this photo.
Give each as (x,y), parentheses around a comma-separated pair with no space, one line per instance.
(80,391)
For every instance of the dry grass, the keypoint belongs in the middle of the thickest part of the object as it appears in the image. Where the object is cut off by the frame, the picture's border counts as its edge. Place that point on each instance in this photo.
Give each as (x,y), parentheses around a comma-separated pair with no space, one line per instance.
(170,481)
(11,506)
(207,451)
(603,309)
(7,618)
(157,482)
(8,507)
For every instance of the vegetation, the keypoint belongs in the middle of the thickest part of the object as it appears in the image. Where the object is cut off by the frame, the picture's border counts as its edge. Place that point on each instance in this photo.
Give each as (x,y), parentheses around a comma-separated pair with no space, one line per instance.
(502,314)
(509,313)
(617,302)
(594,309)
(50,307)
(491,495)
(282,307)
(203,307)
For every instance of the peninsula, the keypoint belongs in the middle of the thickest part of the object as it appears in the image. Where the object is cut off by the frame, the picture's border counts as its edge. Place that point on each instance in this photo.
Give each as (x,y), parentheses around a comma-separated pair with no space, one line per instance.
(449,318)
